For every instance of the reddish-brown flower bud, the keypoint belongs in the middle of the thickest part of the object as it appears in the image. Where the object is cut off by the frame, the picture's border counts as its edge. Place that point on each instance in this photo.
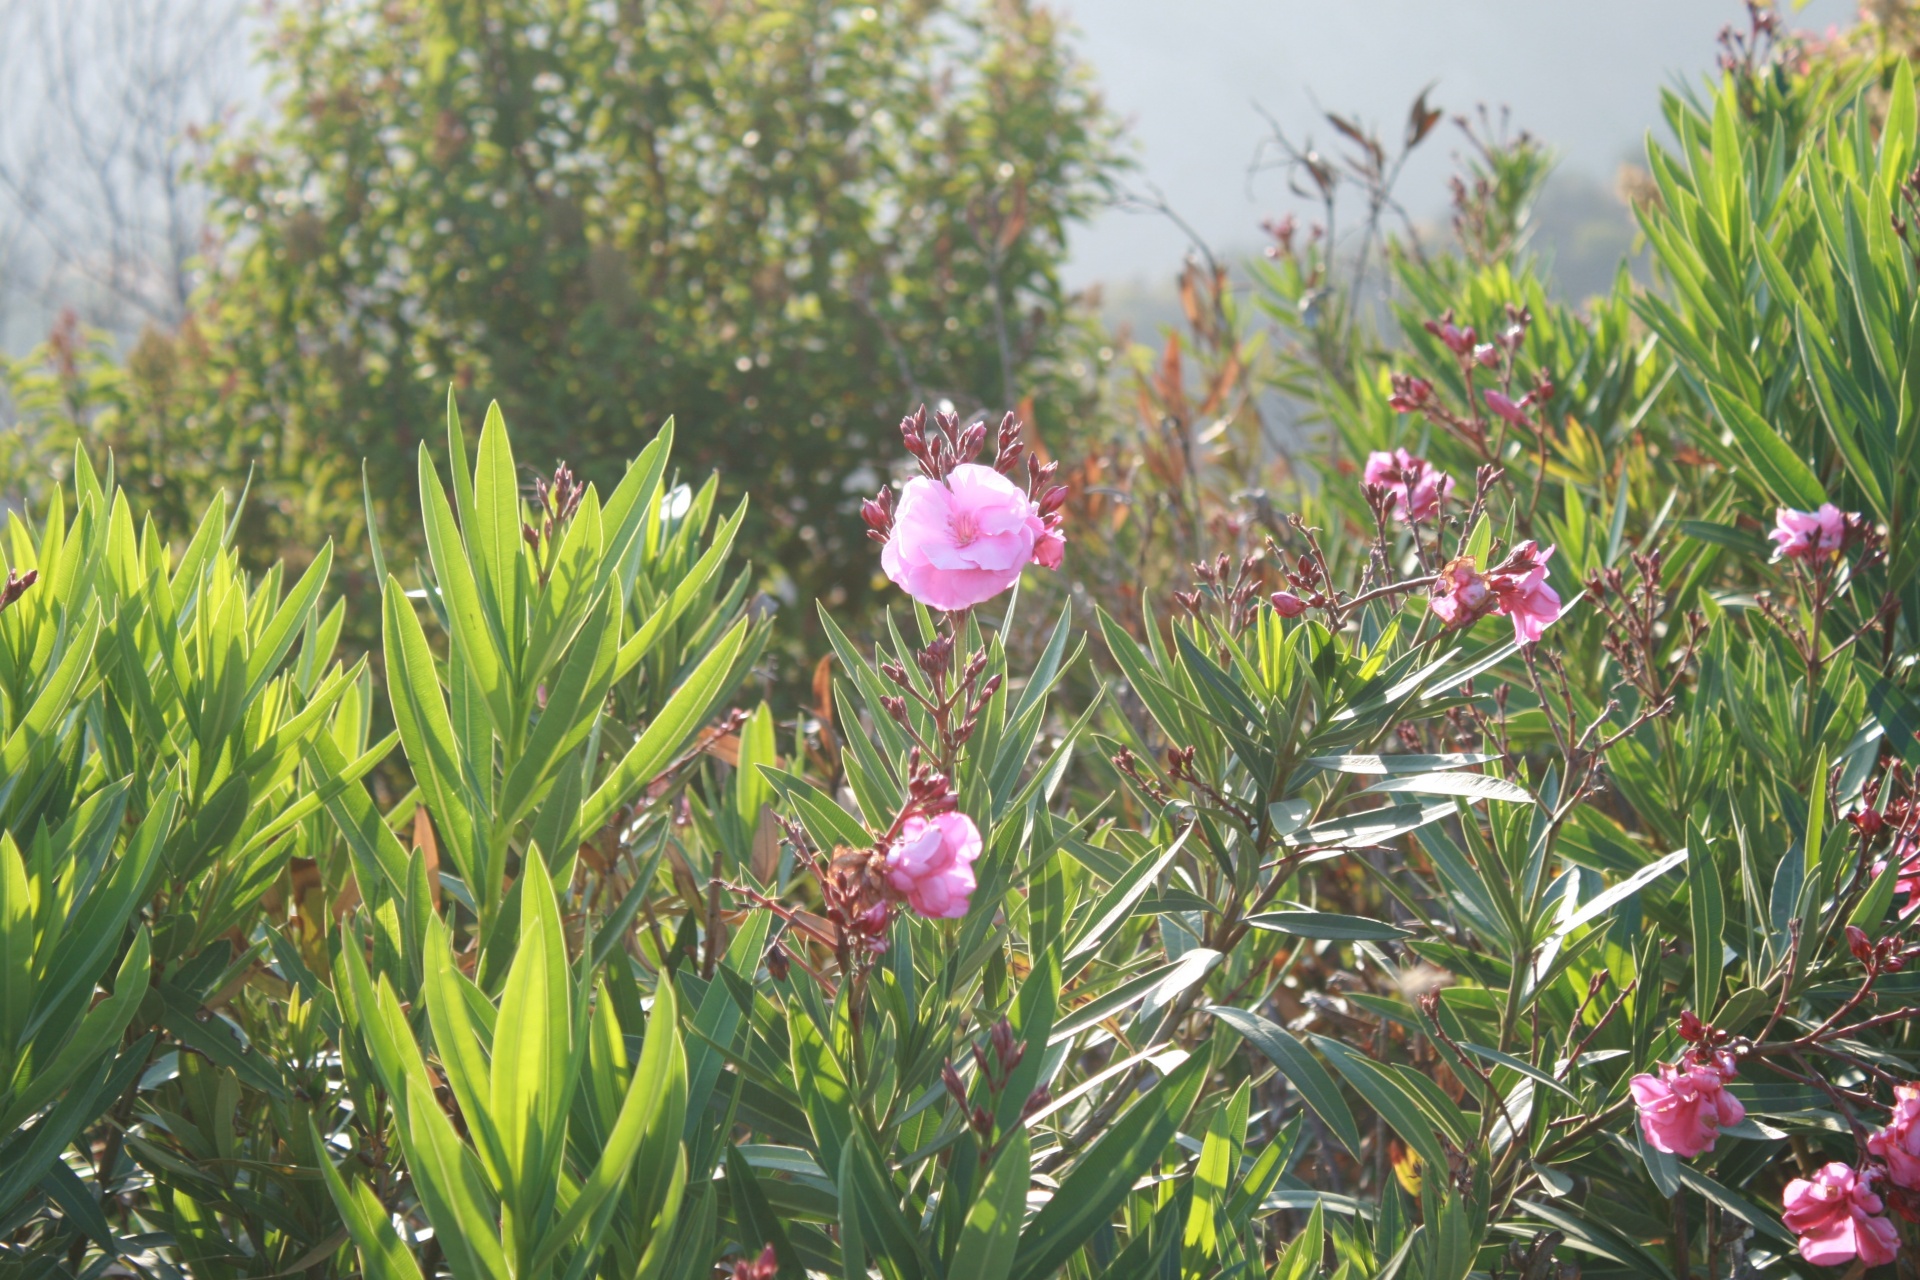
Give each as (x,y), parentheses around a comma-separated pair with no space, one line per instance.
(955,1086)
(1458,340)
(1858,944)
(16,586)
(1409,393)
(972,440)
(877,512)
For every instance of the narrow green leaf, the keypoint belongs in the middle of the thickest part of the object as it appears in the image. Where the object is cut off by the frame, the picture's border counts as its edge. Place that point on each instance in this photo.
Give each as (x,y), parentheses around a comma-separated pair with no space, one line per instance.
(991,1236)
(1301,1069)
(1326,924)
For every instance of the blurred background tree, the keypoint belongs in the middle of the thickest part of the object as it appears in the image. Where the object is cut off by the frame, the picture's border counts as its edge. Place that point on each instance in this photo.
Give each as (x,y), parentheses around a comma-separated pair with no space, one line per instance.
(783,222)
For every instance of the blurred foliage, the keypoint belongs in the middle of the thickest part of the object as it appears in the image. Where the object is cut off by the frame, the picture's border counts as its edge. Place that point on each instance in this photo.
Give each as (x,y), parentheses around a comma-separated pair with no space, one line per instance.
(778,221)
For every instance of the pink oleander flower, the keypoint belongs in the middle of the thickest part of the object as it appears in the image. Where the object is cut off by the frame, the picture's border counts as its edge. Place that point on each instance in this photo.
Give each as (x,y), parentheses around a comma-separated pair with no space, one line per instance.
(931,864)
(1416,489)
(1838,1218)
(1808,535)
(1287,604)
(1907,881)
(1461,595)
(1050,548)
(1520,587)
(956,544)
(1683,1108)
(1899,1143)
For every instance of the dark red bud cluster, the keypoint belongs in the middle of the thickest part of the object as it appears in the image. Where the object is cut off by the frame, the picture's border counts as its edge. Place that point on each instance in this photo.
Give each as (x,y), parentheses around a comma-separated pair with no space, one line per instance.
(1519,320)
(16,585)
(877,513)
(1008,447)
(1868,822)
(956,1087)
(948,444)
(557,500)
(1691,1029)
(1287,604)
(1410,394)
(778,965)
(1039,474)
(1282,231)
(1460,341)
(1884,956)
(937,658)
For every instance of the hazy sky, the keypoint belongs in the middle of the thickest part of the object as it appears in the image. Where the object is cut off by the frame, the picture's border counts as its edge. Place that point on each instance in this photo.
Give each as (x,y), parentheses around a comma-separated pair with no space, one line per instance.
(1583,76)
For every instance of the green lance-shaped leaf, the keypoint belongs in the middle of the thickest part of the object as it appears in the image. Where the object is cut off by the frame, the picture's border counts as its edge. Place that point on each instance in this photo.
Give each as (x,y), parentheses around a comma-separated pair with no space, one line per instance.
(669,732)
(1105,1174)
(1302,1070)
(531,1080)
(383,1255)
(991,1236)
(1709,914)
(644,1141)
(1328,925)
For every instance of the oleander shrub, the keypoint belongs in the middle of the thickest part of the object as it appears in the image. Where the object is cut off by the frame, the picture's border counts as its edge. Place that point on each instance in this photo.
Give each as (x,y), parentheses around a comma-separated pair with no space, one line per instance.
(1495,857)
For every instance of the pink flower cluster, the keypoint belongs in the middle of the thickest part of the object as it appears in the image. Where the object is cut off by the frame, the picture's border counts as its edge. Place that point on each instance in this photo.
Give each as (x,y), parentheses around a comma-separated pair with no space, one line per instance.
(1810,535)
(931,864)
(1415,488)
(1837,1217)
(961,532)
(1899,1143)
(1516,588)
(1684,1107)
(1837,1214)
(962,541)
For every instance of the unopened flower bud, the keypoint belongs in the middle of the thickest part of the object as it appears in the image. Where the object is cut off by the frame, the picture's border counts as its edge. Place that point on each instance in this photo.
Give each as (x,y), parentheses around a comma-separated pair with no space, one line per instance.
(1457,340)
(1001,1037)
(1858,944)
(877,512)
(955,1086)
(1409,393)
(777,963)
(1287,604)
(1691,1028)
(1868,822)
(16,585)
(1504,406)
(972,440)
(1486,355)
